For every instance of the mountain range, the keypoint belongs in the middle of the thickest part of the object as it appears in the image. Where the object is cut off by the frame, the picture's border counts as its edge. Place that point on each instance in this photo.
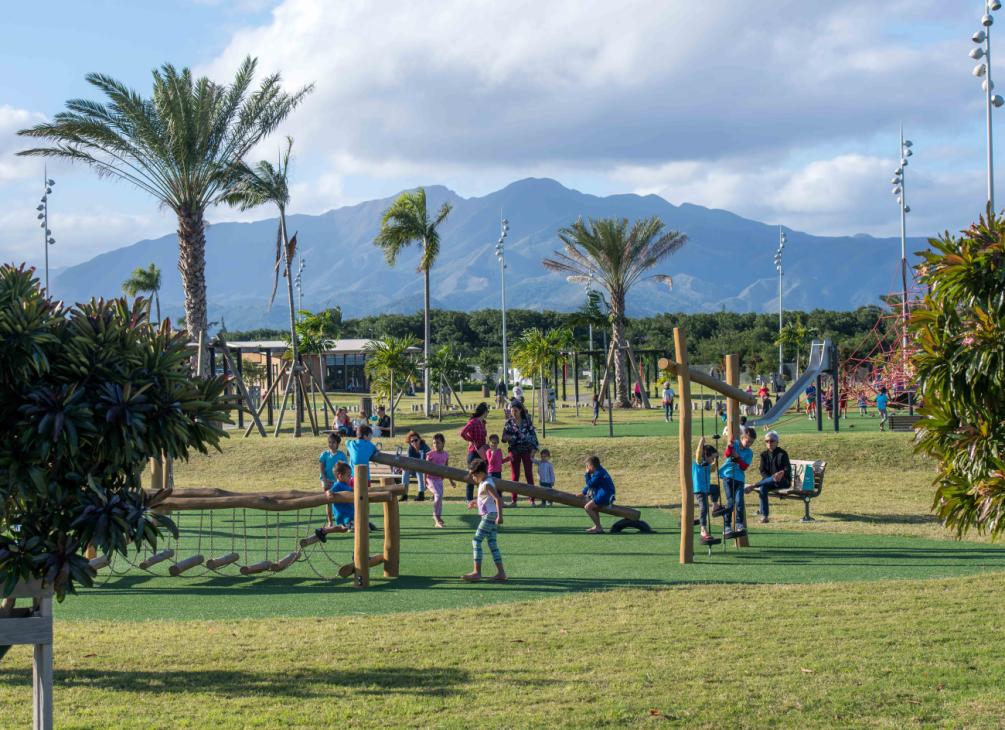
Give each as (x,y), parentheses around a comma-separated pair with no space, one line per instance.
(727,263)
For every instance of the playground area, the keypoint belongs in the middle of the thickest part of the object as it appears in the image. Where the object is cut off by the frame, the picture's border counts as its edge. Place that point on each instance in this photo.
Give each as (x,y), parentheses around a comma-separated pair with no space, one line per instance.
(813,606)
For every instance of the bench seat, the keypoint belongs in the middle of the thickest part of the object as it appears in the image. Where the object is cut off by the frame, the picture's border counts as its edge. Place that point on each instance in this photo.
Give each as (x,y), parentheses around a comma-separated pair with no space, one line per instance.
(807,484)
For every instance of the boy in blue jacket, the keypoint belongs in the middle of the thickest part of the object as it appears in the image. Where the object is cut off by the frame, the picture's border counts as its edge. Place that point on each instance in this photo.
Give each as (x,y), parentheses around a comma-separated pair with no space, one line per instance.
(739,456)
(600,490)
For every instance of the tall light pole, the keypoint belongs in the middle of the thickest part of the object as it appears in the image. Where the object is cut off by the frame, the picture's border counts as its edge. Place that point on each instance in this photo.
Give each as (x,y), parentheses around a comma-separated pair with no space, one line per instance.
(899,191)
(778,267)
(501,255)
(983,69)
(43,215)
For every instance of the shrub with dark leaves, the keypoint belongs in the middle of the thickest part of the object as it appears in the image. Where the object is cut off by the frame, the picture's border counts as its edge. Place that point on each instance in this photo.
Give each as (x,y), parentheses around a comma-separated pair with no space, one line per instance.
(960,331)
(88,394)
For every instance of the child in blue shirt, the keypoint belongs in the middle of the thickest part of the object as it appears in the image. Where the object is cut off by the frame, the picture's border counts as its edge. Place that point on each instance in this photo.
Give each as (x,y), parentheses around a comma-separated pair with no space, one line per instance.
(882,402)
(327,461)
(600,489)
(345,512)
(739,456)
(361,448)
(701,478)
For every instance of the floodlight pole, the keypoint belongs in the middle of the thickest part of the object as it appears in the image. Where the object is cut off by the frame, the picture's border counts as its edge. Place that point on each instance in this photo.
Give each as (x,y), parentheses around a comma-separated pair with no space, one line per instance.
(501,255)
(987,100)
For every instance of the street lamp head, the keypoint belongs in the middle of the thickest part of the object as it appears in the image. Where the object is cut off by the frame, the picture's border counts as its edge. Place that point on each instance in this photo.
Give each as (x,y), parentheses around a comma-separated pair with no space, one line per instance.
(997,101)
(995,5)
(987,21)
(903,162)
(39,207)
(896,180)
(40,216)
(979,70)
(896,190)
(984,85)
(50,182)
(979,36)
(908,143)
(977,53)
(907,209)
(51,240)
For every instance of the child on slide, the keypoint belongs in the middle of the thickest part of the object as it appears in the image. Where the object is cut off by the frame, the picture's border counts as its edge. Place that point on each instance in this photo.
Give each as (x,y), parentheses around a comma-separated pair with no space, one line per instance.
(490,507)
(600,490)
(701,478)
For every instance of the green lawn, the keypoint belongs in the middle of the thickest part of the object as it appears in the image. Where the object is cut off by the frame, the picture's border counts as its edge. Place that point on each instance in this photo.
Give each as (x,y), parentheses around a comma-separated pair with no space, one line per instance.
(871,616)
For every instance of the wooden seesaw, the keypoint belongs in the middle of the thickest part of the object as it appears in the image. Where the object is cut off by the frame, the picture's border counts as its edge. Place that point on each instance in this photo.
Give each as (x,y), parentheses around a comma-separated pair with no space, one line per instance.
(630,518)
(734,397)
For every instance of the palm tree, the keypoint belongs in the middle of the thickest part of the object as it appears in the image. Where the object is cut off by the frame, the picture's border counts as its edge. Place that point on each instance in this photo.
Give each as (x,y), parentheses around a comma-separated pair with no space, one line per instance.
(388,363)
(316,334)
(796,335)
(535,351)
(608,252)
(179,145)
(260,185)
(406,221)
(148,279)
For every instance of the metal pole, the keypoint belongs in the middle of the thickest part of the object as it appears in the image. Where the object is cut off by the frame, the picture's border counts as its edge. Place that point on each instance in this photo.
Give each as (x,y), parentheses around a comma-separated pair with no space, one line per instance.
(45,223)
(819,404)
(903,239)
(268,382)
(505,352)
(987,99)
(593,375)
(836,403)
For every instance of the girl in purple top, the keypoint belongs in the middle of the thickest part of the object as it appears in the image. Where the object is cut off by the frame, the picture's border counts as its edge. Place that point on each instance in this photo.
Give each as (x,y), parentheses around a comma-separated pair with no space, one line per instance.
(439,456)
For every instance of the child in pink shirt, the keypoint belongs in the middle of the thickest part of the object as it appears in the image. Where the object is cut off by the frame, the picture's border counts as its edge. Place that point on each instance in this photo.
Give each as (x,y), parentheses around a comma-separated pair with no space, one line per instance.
(494,457)
(439,456)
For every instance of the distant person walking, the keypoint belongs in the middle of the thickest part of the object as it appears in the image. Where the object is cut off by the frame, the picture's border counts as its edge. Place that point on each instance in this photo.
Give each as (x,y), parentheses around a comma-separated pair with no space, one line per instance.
(668,396)
(502,393)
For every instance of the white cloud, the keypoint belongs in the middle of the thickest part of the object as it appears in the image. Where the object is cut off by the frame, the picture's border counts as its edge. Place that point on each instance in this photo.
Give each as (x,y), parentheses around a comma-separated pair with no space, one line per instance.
(12,120)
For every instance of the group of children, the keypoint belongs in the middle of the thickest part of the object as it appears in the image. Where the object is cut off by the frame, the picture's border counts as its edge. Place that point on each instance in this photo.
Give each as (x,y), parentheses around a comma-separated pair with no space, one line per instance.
(337,468)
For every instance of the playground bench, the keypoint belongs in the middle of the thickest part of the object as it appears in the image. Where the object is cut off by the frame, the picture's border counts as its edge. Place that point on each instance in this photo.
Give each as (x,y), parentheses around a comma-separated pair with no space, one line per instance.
(807,484)
(903,423)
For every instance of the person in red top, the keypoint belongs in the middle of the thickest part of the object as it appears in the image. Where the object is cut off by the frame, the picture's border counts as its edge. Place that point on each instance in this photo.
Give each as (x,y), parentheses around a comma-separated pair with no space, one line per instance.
(476,434)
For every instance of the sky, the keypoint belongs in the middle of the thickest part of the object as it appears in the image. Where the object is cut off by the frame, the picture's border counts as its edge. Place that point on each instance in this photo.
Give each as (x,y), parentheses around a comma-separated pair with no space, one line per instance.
(782,111)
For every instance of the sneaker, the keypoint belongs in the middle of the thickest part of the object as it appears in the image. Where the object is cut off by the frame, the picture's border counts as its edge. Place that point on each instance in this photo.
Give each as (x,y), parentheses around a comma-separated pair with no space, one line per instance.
(718,511)
(420,497)
(709,540)
(696,521)
(321,535)
(727,534)
(764,520)
(740,531)
(749,488)
(404,498)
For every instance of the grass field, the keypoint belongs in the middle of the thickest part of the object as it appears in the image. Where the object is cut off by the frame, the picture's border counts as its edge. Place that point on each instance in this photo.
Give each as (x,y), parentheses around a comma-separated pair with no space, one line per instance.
(872,616)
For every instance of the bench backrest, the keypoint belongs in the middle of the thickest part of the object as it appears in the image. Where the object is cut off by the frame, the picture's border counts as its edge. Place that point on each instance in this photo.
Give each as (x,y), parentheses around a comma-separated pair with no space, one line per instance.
(799,474)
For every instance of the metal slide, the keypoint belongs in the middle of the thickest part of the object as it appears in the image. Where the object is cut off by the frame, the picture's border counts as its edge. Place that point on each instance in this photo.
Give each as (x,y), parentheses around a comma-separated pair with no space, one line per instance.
(818,363)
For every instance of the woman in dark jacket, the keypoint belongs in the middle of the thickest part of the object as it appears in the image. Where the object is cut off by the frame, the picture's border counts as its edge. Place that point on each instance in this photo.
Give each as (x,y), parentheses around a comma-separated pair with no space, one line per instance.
(521,437)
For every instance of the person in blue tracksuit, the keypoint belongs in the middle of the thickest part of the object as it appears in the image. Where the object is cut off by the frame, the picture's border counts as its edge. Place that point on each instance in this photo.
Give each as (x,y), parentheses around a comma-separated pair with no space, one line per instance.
(600,490)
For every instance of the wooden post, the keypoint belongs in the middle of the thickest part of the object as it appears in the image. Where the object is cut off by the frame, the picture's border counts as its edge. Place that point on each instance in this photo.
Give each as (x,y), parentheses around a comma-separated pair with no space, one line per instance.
(243,390)
(269,384)
(575,379)
(266,401)
(392,538)
(643,388)
(290,383)
(684,446)
(156,475)
(34,629)
(361,498)
(733,419)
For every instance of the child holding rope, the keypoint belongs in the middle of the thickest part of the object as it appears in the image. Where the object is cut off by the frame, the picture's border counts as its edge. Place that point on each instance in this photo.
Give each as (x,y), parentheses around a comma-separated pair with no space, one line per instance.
(328,461)
(739,456)
(490,507)
(701,477)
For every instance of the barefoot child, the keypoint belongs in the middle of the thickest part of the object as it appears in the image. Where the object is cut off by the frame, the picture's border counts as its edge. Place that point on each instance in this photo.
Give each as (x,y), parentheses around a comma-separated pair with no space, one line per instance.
(597,407)
(439,456)
(600,490)
(545,473)
(701,477)
(494,457)
(328,459)
(490,507)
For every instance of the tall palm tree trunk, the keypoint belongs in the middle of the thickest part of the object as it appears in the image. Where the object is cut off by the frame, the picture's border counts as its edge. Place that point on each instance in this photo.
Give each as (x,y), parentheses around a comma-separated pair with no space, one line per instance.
(425,338)
(192,266)
(157,299)
(294,347)
(621,378)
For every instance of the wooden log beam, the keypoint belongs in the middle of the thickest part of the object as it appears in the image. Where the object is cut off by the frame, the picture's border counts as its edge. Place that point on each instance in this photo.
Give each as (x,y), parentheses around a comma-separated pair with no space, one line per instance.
(285,562)
(221,561)
(157,558)
(684,446)
(392,538)
(697,376)
(268,503)
(349,568)
(255,568)
(503,485)
(187,564)
(361,525)
(99,562)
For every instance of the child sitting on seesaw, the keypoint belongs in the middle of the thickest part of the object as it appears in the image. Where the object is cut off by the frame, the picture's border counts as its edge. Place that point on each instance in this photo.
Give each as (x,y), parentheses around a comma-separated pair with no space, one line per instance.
(600,490)
(328,460)
(490,507)
(701,477)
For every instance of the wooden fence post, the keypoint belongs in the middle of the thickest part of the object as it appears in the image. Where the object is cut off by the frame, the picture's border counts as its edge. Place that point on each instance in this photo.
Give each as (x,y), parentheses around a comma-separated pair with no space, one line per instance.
(361,500)
(392,538)
(684,442)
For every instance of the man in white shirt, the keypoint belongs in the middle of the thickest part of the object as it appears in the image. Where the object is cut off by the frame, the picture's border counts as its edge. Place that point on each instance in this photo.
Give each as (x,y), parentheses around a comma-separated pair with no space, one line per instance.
(668,396)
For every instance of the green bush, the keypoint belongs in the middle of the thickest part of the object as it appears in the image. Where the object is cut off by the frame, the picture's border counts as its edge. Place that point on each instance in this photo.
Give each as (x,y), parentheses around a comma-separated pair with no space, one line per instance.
(961,370)
(87,395)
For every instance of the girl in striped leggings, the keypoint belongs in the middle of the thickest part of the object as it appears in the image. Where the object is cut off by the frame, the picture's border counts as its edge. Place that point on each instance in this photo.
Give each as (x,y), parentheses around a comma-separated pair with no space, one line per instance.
(490,508)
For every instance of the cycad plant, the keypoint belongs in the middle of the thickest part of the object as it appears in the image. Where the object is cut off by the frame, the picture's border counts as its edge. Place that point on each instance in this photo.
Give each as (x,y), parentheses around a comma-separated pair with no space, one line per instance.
(390,366)
(179,145)
(960,365)
(408,221)
(613,255)
(145,280)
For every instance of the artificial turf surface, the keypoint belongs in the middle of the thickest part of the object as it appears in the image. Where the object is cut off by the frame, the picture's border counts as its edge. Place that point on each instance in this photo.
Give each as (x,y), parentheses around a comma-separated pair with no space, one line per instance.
(545,551)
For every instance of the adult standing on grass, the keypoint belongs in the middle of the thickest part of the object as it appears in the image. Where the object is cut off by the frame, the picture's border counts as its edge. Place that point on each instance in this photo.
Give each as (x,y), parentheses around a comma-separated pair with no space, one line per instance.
(501,393)
(882,404)
(776,472)
(521,437)
(668,396)
(475,433)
